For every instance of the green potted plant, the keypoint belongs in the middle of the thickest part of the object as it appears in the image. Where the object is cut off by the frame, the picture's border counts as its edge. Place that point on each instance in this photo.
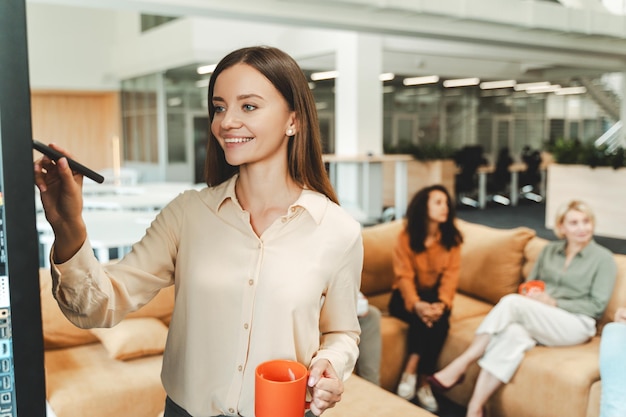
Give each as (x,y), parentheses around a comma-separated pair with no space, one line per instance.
(427,152)
(569,152)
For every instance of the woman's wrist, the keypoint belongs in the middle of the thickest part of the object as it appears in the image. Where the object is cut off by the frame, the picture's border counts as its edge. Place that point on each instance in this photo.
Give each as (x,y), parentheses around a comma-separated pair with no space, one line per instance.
(416,307)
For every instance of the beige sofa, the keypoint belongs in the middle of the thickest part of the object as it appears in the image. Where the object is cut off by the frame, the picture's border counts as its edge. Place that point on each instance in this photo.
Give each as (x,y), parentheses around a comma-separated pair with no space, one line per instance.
(116,372)
(551,382)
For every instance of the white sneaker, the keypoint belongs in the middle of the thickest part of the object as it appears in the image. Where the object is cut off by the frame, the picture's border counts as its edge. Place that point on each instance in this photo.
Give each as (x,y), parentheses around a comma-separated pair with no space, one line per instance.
(406,387)
(426,399)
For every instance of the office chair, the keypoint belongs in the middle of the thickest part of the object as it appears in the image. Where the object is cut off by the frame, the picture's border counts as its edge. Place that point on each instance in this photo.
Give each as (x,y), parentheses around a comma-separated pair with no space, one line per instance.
(530,179)
(468,159)
(498,183)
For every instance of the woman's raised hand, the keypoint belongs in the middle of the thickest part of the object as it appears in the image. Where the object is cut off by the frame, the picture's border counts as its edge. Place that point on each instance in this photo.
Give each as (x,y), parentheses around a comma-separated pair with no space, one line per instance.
(62,200)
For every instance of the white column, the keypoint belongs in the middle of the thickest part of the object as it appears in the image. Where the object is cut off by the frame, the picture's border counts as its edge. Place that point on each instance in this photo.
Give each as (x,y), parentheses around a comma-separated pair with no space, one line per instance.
(358,91)
(358,120)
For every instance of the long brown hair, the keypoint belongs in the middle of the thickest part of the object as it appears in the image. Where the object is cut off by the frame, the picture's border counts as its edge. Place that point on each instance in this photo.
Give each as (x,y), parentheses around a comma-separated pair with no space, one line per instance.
(304,152)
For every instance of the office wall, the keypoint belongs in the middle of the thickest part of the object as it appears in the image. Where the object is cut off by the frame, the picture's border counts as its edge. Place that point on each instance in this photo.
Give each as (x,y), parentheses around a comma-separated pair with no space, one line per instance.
(70,48)
(82,122)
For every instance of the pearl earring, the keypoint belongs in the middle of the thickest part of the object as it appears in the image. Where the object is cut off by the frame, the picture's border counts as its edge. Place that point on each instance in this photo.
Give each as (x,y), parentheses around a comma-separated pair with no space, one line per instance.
(290,132)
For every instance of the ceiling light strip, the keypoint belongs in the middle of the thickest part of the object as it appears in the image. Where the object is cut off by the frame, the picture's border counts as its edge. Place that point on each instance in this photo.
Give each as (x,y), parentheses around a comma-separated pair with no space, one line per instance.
(461,82)
(525,86)
(324,75)
(206,69)
(430,79)
(490,85)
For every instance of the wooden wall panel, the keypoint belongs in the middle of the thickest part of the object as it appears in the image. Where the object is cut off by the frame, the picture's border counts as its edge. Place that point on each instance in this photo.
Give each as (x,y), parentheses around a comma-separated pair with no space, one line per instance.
(82,122)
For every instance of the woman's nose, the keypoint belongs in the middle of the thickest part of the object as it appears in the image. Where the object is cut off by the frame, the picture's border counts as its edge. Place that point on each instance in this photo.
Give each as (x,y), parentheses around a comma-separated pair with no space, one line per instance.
(230,120)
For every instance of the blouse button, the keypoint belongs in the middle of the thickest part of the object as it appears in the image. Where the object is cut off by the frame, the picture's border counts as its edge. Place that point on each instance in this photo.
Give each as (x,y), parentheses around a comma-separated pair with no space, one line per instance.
(283,220)
(231,410)
(250,282)
(245,326)
(293,209)
(239,368)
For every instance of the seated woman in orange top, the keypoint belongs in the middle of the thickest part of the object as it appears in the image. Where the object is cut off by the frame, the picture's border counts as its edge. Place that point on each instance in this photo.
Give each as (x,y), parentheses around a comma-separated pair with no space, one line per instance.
(426,261)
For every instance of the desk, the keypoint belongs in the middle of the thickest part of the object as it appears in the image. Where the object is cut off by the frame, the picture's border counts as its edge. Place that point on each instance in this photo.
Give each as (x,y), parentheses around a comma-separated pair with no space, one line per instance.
(106,230)
(144,197)
(515,168)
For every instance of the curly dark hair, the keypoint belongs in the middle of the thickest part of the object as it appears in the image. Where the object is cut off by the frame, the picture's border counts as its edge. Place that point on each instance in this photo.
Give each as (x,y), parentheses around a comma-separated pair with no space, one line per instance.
(417,220)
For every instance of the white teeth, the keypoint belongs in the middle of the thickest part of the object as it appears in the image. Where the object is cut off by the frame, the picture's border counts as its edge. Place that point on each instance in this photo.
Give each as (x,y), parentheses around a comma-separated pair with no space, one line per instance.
(237,140)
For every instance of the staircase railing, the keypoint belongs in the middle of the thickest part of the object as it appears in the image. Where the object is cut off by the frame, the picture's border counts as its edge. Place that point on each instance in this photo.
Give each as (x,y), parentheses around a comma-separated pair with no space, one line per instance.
(612,138)
(607,100)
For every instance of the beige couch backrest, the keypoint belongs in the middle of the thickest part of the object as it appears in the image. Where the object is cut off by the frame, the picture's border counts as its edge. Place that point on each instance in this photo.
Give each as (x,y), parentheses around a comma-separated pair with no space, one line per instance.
(491,260)
(59,332)
(493,263)
(377,275)
(618,299)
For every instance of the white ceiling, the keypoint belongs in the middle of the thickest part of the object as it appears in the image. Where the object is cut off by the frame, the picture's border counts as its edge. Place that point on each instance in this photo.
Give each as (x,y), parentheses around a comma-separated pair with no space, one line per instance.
(492,39)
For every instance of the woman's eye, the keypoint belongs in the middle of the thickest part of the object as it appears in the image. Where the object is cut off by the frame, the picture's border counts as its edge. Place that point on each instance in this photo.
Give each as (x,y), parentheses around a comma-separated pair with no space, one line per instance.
(218,109)
(248,107)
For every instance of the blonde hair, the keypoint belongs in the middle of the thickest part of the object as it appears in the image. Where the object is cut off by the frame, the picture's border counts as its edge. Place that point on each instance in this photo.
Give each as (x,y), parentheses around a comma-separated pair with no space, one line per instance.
(566,208)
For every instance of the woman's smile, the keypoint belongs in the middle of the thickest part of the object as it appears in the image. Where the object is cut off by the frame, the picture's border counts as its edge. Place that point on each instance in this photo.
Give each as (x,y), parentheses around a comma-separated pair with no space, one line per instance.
(237,140)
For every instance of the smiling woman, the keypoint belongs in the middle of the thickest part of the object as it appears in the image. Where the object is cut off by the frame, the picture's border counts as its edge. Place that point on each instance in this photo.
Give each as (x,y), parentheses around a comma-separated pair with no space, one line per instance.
(252,254)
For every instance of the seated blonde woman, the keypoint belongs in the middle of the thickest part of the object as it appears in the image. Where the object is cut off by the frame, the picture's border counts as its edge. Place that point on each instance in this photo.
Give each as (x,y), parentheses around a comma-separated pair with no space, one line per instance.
(578,276)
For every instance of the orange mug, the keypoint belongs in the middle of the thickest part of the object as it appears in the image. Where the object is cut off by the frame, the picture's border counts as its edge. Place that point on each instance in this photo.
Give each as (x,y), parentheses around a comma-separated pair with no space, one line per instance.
(280,389)
(531,286)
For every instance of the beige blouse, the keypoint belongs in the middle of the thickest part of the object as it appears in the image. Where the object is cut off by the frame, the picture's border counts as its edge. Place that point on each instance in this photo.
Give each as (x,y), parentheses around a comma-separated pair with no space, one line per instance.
(240,299)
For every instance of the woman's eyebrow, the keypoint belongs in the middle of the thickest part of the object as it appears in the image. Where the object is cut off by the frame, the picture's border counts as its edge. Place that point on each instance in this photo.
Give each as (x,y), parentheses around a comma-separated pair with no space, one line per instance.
(239,97)
(250,95)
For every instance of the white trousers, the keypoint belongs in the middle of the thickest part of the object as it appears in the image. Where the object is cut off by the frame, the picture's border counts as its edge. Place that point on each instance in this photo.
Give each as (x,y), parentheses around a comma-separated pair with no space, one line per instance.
(518,323)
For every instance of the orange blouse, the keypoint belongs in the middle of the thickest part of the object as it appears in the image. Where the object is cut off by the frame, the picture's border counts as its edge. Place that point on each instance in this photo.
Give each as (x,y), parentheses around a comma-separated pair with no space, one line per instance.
(435,265)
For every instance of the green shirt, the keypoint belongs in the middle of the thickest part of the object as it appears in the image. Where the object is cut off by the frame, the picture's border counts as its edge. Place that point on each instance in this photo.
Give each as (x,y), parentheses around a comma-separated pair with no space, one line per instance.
(585,286)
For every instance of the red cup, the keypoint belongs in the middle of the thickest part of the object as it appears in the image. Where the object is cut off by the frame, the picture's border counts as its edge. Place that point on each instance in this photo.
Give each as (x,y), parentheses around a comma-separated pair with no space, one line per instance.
(531,286)
(280,389)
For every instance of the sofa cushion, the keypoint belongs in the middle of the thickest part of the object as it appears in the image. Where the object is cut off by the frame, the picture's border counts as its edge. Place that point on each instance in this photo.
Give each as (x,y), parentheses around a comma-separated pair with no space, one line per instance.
(133,338)
(531,254)
(618,298)
(393,333)
(551,381)
(83,381)
(491,260)
(378,243)
(362,398)
(59,332)
(465,307)
(595,393)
